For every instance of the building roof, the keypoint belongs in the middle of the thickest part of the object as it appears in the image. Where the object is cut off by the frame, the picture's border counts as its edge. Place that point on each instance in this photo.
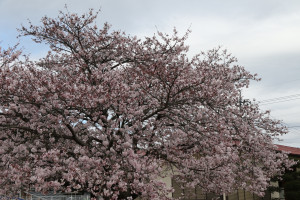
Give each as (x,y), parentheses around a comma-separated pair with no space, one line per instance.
(290,150)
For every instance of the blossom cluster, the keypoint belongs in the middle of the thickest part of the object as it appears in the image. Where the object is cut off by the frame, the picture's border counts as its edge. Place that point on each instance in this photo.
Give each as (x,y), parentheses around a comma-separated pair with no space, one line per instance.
(111,114)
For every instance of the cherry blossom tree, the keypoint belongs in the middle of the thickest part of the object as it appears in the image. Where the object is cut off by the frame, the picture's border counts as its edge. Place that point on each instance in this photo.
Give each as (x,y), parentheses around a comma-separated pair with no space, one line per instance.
(110,114)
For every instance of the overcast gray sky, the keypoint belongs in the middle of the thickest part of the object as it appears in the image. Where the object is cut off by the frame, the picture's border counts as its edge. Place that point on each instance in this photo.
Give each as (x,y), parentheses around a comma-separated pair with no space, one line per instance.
(263,35)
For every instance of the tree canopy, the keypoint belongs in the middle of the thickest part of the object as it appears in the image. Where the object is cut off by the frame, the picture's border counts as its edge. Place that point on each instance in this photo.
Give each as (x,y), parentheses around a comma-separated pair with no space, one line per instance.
(107,113)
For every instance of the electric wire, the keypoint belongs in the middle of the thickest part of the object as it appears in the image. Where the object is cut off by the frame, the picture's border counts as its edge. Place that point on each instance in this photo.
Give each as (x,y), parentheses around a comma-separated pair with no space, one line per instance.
(268,103)
(279,99)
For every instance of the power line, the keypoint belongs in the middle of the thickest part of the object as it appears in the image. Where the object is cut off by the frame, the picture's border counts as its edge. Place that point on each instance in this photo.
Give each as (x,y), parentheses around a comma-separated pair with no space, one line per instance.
(279,99)
(295,127)
(267,103)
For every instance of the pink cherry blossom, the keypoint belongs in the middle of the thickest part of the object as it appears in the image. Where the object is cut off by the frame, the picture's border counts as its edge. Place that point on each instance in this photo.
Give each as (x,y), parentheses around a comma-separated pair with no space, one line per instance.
(110,114)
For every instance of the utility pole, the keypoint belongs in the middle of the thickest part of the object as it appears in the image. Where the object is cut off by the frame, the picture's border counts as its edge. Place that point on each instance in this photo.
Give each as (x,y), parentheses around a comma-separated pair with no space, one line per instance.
(224,196)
